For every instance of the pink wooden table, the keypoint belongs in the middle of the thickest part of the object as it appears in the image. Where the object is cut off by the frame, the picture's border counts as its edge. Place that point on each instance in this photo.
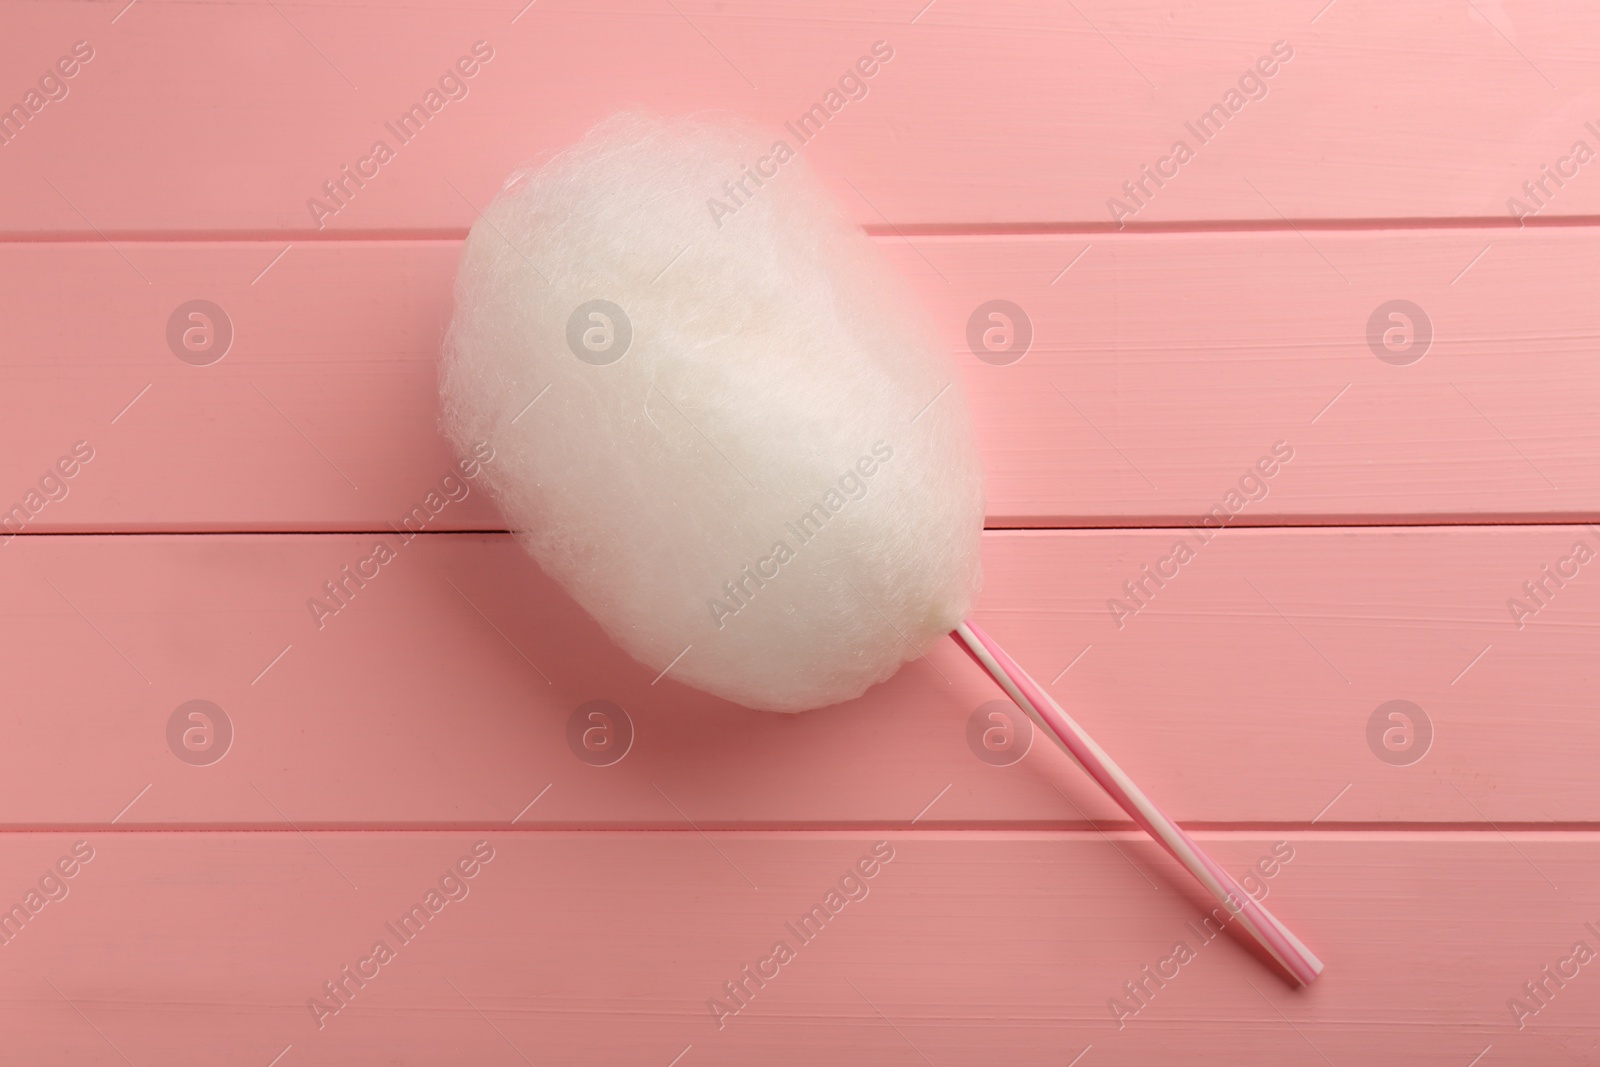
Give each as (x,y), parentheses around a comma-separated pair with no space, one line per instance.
(237,830)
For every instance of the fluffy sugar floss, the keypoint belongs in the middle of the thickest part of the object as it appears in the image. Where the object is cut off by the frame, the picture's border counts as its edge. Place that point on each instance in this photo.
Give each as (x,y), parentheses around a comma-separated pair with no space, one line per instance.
(720,420)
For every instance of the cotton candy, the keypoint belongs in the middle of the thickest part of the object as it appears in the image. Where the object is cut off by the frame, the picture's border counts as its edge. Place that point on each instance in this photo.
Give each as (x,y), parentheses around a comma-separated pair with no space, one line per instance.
(719,420)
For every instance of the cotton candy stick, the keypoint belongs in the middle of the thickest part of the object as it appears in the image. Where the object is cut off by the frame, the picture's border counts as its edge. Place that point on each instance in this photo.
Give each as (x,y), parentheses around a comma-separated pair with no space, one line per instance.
(1276,938)
(755,467)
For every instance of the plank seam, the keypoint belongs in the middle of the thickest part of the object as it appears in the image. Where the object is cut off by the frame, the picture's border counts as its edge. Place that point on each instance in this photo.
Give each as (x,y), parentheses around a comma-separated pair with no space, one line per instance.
(455,234)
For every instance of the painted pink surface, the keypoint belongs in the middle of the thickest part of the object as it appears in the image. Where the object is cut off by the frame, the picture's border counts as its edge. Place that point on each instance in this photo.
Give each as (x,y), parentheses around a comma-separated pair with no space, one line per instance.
(1252,917)
(599,948)
(1149,389)
(1240,695)
(227,118)
(444,703)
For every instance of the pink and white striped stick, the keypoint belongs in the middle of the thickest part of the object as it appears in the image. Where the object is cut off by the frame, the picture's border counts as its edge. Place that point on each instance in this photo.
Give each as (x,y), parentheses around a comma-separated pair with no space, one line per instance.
(1262,924)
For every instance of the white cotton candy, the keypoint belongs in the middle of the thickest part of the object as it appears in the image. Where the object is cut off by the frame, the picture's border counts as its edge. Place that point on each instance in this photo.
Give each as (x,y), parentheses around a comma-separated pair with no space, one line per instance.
(774,491)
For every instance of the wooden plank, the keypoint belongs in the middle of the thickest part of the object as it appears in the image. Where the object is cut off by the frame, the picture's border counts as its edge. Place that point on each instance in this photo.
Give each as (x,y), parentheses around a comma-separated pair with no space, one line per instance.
(229,118)
(965,948)
(1385,726)
(1162,368)
(444,690)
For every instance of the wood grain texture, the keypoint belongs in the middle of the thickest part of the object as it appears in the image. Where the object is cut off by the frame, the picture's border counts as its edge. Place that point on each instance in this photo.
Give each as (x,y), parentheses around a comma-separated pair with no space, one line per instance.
(1371,696)
(440,693)
(1161,368)
(228,118)
(967,948)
